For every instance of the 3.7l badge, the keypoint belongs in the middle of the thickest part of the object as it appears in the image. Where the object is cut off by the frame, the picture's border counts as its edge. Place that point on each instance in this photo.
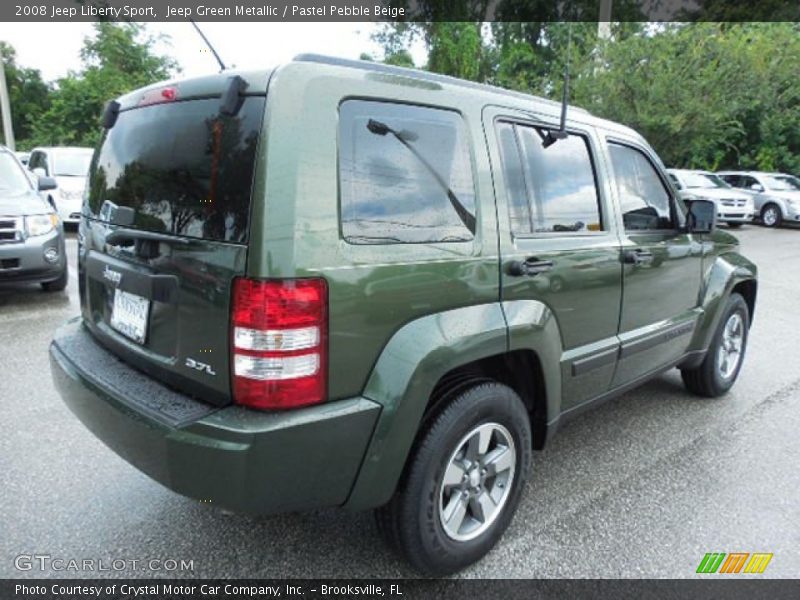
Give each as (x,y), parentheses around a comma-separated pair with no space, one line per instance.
(199,366)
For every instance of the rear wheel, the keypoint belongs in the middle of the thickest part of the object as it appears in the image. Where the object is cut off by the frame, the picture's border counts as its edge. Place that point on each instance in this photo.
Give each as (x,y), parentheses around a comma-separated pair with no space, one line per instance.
(463,481)
(771,215)
(720,368)
(59,284)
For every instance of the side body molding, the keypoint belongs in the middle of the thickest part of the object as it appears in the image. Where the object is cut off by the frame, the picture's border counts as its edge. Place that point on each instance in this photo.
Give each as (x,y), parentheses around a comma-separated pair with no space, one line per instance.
(719,278)
(411,364)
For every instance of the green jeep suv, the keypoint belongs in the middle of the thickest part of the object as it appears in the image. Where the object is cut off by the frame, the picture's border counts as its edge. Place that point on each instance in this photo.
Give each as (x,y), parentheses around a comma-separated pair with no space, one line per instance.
(339,283)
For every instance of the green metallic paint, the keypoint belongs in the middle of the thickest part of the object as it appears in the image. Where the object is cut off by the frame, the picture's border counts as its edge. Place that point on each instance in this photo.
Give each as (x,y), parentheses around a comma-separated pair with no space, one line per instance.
(373,289)
(723,269)
(403,316)
(532,326)
(202,272)
(251,462)
(408,368)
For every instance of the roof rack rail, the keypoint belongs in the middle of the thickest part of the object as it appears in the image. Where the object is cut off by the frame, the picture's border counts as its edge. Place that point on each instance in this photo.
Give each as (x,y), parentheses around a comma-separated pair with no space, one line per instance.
(425,76)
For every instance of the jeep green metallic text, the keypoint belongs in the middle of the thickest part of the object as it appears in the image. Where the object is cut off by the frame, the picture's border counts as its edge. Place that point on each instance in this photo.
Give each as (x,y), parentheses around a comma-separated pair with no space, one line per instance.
(339,283)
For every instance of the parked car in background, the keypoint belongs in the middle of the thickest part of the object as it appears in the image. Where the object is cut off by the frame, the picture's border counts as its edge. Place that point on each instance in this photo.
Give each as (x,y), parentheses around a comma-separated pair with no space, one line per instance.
(776,196)
(31,234)
(733,207)
(23,158)
(69,166)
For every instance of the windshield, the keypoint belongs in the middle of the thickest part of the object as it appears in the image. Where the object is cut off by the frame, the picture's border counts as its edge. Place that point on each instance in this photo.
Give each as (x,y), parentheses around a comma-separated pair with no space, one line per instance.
(702,180)
(783,183)
(72,164)
(12,178)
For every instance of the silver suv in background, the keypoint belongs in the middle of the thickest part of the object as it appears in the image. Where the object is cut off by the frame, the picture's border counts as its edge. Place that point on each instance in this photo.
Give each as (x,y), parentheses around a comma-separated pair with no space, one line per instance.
(776,196)
(69,166)
(733,207)
(31,234)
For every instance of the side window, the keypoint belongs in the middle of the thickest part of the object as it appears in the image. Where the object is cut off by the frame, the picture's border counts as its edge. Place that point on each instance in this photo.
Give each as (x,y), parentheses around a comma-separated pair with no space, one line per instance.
(675,181)
(44,163)
(514,177)
(405,174)
(748,182)
(33,162)
(549,189)
(644,201)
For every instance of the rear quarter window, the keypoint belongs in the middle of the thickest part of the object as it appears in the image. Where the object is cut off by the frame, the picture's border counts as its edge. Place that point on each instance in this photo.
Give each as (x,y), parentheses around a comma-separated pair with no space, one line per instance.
(405,174)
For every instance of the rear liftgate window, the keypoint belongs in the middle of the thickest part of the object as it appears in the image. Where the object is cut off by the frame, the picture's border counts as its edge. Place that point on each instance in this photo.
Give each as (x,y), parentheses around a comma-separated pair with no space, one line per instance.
(185,168)
(405,174)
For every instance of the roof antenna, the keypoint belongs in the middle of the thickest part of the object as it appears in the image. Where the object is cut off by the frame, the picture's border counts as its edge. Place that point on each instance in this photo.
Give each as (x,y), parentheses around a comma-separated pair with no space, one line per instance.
(222,66)
(553,136)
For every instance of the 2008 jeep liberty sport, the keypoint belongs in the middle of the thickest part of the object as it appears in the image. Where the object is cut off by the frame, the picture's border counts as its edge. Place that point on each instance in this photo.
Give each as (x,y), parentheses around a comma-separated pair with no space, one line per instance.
(339,283)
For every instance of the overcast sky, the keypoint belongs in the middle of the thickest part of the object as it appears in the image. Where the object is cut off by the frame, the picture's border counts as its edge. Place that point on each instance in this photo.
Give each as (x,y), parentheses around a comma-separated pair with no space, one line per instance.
(53,47)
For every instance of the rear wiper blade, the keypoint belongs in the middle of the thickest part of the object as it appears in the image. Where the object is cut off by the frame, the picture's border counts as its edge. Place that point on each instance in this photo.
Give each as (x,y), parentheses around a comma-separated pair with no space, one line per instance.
(128,237)
(467,218)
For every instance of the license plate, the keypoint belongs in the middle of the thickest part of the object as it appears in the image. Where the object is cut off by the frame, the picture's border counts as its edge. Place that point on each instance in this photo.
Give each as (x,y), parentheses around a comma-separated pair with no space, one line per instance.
(129,315)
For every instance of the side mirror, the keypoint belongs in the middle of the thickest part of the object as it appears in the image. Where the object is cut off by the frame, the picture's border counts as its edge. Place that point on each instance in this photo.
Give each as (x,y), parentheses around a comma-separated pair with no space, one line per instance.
(757,187)
(701,217)
(39,172)
(121,215)
(46,183)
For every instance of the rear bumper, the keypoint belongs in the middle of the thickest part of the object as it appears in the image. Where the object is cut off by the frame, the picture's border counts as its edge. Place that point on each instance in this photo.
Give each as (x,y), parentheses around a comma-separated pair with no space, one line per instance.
(243,460)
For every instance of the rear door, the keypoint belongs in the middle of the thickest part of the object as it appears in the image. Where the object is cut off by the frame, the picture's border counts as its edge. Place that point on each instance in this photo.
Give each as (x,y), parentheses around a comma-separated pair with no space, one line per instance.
(661,265)
(558,242)
(164,233)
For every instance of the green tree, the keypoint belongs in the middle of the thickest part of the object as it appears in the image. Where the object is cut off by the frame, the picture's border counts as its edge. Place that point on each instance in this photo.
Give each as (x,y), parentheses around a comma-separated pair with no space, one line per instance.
(401,58)
(117,59)
(28,94)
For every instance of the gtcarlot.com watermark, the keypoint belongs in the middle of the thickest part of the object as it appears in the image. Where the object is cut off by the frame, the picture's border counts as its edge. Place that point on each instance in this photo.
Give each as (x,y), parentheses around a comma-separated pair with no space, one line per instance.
(59,564)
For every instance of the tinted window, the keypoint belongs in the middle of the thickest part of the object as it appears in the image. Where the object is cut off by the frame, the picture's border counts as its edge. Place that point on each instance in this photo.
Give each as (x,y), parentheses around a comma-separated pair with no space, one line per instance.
(732,180)
(185,168)
(644,200)
(559,193)
(405,174)
(746,181)
(516,190)
(37,162)
(674,180)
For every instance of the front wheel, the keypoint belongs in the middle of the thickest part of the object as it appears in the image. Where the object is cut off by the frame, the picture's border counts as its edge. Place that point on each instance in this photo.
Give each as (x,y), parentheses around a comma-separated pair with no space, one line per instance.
(771,215)
(720,368)
(462,483)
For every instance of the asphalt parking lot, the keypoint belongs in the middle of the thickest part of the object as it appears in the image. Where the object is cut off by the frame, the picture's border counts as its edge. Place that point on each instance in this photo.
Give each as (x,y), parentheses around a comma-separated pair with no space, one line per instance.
(643,486)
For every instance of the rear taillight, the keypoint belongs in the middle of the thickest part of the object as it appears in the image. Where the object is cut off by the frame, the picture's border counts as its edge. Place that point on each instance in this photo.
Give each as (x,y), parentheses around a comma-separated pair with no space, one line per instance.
(279,342)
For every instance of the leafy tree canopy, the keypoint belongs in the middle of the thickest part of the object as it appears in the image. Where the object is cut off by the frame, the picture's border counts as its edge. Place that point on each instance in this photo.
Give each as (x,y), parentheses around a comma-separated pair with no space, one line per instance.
(119,57)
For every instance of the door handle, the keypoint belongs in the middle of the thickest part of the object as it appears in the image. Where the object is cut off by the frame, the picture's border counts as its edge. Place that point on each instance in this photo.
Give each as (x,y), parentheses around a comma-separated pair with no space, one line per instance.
(530,267)
(637,257)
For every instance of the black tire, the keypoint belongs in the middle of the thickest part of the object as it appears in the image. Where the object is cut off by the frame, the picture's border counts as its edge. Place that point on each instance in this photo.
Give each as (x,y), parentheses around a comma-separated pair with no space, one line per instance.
(411,521)
(57,285)
(707,379)
(734,225)
(771,215)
